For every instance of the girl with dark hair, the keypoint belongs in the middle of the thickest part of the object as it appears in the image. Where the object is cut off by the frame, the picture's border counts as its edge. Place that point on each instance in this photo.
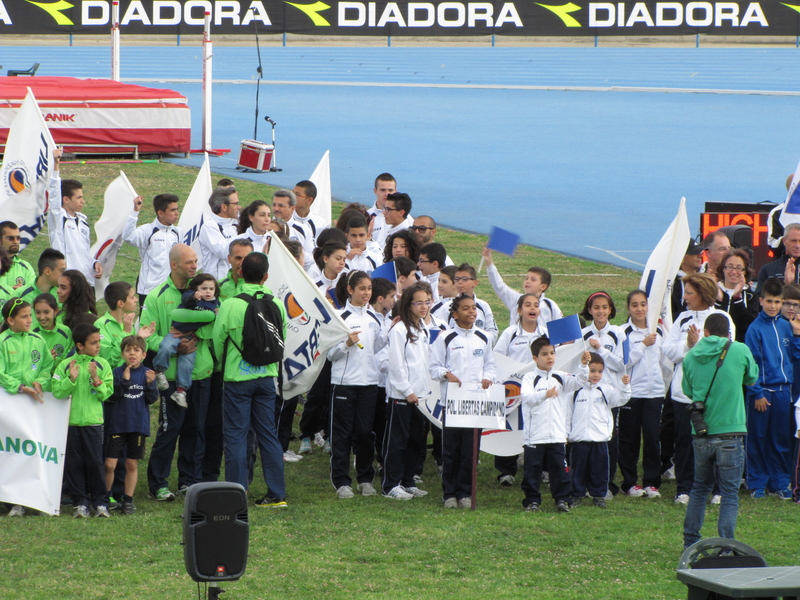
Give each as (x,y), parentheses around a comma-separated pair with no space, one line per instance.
(401,243)
(406,385)
(58,337)
(75,295)
(606,340)
(254,224)
(462,355)
(354,382)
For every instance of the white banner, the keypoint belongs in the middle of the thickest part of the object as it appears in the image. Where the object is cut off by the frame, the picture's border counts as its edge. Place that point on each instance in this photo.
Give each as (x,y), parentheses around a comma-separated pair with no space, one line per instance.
(33,440)
(313,324)
(196,208)
(791,206)
(117,205)
(321,177)
(27,165)
(662,268)
(469,405)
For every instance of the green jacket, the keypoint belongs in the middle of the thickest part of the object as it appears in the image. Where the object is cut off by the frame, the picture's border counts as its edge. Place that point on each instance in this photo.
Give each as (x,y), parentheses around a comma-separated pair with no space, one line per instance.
(21,274)
(111,334)
(228,288)
(24,358)
(725,409)
(158,307)
(229,325)
(87,400)
(6,293)
(30,292)
(59,340)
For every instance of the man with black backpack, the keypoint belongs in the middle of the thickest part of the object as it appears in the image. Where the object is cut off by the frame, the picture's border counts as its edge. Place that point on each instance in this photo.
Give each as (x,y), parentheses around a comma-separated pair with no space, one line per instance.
(248,339)
(715,372)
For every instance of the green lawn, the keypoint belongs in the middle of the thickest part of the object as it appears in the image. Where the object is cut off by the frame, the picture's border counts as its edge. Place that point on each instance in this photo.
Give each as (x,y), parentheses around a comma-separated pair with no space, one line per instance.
(321,547)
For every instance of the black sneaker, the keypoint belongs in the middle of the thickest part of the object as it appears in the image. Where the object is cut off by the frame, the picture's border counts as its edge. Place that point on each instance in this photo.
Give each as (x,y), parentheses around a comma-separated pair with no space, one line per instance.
(532,507)
(575,502)
(268,502)
(128,508)
(562,506)
(599,502)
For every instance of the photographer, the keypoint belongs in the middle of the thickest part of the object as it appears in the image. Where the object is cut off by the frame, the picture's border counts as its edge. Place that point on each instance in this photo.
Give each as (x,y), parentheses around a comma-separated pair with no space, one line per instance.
(714,373)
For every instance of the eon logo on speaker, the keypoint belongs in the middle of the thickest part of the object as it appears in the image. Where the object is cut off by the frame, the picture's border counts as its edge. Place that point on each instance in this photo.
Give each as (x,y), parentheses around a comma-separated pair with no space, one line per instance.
(221,517)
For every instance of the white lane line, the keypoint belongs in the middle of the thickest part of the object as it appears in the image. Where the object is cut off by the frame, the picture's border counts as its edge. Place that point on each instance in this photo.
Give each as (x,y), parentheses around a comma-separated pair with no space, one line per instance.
(477,86)
(616,255)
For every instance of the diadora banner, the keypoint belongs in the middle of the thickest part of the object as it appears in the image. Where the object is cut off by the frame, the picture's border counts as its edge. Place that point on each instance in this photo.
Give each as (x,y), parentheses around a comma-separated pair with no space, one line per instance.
(351,17)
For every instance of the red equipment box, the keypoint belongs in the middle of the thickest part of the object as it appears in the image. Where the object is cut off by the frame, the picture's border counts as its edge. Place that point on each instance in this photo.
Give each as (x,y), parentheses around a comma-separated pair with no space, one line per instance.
(255,156)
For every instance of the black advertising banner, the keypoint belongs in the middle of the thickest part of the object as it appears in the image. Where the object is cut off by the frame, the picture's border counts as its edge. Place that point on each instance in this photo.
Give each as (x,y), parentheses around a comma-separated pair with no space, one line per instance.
(440,18)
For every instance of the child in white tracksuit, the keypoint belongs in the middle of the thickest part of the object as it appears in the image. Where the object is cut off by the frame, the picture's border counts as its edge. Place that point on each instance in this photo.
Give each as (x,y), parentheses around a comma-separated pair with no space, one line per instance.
(547,413)
(591,430)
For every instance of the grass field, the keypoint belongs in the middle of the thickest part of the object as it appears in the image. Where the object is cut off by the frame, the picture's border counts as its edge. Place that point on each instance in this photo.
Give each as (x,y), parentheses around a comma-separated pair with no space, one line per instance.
(321,547)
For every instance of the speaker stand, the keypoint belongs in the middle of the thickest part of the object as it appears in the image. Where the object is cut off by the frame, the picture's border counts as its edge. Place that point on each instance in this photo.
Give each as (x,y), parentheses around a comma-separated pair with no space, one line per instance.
(214,591)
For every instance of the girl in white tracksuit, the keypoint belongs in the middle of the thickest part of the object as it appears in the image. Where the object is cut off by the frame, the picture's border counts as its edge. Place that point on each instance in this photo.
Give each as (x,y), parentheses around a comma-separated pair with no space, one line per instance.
(640,418)
(406,385)
(461,355)
(354,385)
(606,340)
(515,343)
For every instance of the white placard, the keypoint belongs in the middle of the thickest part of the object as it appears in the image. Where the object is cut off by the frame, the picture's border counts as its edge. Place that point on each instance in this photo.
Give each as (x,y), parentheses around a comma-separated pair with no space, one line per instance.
(469,405)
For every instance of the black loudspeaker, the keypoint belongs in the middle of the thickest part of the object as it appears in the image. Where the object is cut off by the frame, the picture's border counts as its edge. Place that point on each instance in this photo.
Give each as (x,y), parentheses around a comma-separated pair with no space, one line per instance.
(216,533)
(741,236)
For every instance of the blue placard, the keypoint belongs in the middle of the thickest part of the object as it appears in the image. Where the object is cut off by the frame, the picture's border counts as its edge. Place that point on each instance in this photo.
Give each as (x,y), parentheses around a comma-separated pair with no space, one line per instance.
(564,330)
(503,241)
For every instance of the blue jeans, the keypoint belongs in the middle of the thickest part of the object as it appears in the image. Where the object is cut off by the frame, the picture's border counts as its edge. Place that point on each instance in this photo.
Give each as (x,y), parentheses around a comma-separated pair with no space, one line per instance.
(184,362)
(719,459)
(246,404)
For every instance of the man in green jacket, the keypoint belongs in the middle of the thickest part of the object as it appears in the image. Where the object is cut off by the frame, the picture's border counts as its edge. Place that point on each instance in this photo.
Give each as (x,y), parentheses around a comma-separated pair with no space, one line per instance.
(174,420)
(249,389)
(718,455)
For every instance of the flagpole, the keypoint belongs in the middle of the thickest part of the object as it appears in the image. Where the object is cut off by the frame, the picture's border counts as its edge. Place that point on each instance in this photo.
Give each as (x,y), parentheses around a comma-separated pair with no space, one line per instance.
(475,439)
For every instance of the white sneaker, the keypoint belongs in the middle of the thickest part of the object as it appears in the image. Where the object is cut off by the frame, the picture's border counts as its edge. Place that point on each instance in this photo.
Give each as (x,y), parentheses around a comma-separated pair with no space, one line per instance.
(161,381)
(319,439)
(16,511)
(669,474)
(608,497)
(81,511)
(179,398)
(418,479)
(367,489)
(506,480)
(294,455)
(398,493)
(305,446)
(416,492)
(287,457)
(652,492)
(326,447)
(345,492)
(682,499)
(716,499)
(635,492)
(102,511)
(545,477)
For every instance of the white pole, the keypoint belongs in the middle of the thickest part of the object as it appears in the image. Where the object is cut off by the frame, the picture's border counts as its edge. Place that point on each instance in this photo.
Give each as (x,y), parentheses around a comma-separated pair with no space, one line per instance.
(115,40)
(207,54)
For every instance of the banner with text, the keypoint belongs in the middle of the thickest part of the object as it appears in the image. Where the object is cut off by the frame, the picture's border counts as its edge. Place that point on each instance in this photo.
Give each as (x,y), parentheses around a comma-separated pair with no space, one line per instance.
(33,441)
(440,18)
(469,405)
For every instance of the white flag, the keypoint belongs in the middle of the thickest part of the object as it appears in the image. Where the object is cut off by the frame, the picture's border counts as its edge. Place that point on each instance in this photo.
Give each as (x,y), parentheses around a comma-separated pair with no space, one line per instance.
(196,210)
(33,440)
(28,163)
(313,324)
(662,268)
(117,205)
(791,207)
(321,177)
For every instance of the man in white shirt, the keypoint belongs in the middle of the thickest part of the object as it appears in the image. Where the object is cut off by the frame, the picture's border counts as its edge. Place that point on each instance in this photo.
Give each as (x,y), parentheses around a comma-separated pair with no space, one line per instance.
(217,232)
(424,229)
(308,225)
(69,228)
(385,184)
(154,241)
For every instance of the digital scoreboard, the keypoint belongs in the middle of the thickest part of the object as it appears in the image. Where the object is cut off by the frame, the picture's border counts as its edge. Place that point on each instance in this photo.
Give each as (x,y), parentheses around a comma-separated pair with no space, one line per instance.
(753,215)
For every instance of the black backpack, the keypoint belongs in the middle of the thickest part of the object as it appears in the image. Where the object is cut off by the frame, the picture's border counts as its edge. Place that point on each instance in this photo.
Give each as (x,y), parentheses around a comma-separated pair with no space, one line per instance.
(262,332)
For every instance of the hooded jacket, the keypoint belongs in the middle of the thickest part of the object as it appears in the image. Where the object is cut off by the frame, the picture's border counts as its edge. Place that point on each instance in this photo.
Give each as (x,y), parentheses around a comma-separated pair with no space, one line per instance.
(725,410)
(773,345)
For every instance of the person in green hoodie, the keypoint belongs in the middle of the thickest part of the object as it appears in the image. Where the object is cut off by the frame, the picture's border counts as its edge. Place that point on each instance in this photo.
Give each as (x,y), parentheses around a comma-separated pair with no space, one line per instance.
(89,381)
(719,455)
(250,393)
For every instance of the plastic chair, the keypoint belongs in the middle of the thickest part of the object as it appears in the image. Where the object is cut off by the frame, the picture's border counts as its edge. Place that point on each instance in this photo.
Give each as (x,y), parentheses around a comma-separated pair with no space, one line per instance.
(31,71)
(720,553)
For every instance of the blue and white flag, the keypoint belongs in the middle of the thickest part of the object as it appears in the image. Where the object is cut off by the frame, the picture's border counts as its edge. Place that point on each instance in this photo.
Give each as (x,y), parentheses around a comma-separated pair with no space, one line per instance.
(196,209)
(27,166)
(662,268)
(791,208)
